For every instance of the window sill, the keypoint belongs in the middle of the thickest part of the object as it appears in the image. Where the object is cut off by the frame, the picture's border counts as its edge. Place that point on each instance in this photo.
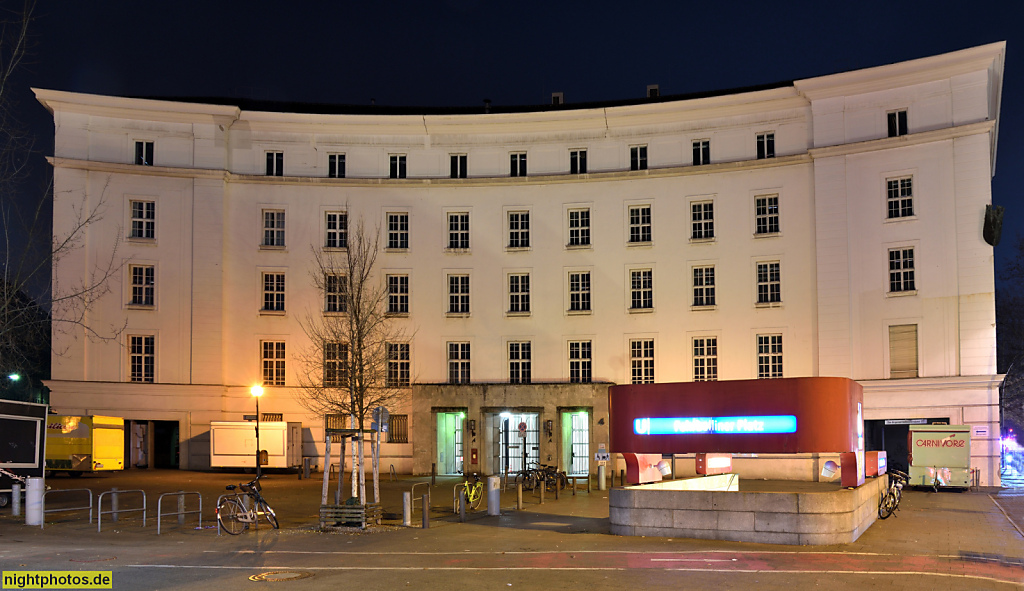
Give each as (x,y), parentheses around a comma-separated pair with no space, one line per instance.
(904,218)
(272,247)
(335,249)
(457,314)
(517,249)
(768,305)
(517,314)
(334,314)
(641,310)
(272,312)
(647,244)
(900,294)
(587,246)
(457,251)
(768,235)
(398,314)
(141,241)
(705,308)
(579,312)
(396,250)
(702,240)
(149,307)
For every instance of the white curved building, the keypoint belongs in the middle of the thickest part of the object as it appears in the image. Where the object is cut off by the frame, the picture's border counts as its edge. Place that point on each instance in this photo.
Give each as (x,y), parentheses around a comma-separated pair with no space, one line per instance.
(825,227)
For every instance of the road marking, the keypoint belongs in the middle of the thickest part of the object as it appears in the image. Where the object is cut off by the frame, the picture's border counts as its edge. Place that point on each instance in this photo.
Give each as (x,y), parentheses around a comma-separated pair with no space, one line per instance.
(693,560)
(530,552)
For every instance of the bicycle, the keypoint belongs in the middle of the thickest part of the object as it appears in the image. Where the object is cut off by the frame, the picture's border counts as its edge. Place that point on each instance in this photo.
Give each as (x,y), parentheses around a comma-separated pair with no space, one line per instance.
(553,478)
(474,492)
(232,515)
(890,499)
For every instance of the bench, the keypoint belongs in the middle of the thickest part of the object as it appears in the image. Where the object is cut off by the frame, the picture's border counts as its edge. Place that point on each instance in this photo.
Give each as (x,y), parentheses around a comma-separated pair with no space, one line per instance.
(350,515)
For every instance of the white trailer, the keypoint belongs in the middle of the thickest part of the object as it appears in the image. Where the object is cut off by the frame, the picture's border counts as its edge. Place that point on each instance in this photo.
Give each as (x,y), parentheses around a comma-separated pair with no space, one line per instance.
(233,444)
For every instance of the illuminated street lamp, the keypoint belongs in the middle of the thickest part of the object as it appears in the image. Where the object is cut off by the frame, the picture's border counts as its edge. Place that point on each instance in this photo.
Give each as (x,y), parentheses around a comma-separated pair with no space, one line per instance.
(14,377)
(257,391)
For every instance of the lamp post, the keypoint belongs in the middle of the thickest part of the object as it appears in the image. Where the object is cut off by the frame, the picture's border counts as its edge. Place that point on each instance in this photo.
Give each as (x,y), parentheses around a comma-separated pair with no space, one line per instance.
(256,392)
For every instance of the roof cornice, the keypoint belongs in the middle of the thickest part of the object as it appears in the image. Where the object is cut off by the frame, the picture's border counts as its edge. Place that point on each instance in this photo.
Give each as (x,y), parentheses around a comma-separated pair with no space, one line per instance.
(131,108)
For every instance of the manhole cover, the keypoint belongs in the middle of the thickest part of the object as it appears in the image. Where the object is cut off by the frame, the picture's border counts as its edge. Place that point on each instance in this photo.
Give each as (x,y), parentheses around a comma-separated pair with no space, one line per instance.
(278,576)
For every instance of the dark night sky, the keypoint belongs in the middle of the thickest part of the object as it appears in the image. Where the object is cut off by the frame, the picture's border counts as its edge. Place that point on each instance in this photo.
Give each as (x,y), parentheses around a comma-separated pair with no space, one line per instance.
(457,52)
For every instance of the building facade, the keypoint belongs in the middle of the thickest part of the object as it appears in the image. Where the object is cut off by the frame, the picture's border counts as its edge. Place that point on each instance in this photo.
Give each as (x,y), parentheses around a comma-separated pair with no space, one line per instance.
(825,227)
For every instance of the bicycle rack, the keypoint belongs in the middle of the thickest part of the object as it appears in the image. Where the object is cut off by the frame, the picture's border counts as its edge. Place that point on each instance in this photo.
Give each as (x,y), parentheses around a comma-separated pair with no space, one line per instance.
(430,499)
(394,475)
(455,495)
(115,512)
(181,497)
(245,505)
(63,509)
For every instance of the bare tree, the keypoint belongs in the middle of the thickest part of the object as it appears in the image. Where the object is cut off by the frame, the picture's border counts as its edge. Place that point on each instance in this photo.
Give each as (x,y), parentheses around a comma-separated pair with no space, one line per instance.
(32,302)
(358,358)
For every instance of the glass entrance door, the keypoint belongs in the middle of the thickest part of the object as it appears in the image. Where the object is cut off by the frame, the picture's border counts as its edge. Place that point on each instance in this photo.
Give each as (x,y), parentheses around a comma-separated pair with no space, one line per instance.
(576,442)
(449,443)
(516,452)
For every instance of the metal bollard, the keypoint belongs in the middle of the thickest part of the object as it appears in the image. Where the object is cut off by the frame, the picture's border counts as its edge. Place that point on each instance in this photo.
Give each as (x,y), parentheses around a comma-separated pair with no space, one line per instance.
(622,478)
(426,511)
(113,504)
(306,462)
(462,505)
(433,474)
(34,489)
(557,486)
(519,496)
(181,508)
(407,508)
(542,487)
(602,483)
(493,495)
(16,499)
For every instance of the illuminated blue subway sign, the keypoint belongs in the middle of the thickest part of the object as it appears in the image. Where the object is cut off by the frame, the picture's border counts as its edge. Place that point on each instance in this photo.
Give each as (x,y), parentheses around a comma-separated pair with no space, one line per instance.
(708,425)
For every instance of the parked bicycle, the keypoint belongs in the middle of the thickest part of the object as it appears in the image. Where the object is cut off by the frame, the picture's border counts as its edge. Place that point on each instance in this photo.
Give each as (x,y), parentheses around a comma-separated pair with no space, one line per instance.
(232,515)
(474,492)
(890,500)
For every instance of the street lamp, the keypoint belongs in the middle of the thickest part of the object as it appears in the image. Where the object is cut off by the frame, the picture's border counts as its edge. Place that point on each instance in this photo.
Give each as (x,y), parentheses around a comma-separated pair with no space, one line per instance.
(14,377)
(257,391)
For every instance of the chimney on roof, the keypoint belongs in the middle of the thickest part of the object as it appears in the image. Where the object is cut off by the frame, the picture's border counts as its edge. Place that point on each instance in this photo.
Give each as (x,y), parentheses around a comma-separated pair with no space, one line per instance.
(557,98)
(653,91)
(487,105)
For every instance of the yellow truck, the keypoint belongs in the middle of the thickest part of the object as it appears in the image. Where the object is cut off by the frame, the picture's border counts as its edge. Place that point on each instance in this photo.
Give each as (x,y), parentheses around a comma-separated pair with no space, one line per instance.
(78,444)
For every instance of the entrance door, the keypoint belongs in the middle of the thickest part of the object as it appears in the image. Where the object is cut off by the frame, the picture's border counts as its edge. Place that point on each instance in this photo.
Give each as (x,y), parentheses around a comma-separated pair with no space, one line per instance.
(449,443)
(576,442)
(515,452)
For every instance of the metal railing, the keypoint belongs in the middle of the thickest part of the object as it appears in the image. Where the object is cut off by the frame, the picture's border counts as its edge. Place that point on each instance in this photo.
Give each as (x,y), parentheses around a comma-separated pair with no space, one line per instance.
(114,509)
(62,509)
(412,491)
(181,512)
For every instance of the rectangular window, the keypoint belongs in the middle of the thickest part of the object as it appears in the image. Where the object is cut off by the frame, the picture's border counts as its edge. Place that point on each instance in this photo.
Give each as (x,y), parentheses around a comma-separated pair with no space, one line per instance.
(336,166)
(143,358)
(701,152)
(641,360)
(517,164)
(143,219)
(903,351)
(398,231)
(579,362)
(458,294)
(398,428)
(398,365)
(335,292)
(275,163)
(703,286)
(397,166)
(766,214)
(705,359)
(398,294)
(579,292)
(336,365)
(641,287)
(702,220)
(769,356)
(579,227)
(577,162)
(144,153)
(765,145)
(640,224)
(273,292)
(519,293)
(901,270)
(458,363)
(143,279)
(518,229)
(273,227)
(458,231)
(638,157)
(458,166)
(336,229)
(900,197)
(897,123)
(769,283)
(273,362)
(519,357)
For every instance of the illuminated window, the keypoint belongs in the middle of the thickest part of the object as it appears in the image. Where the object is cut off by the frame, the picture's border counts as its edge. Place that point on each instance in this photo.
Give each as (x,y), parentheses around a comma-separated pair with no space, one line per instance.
(641,359)
(398,231)
(398,294)
(142,358)
(398,365)
(769,283)
(273,227)
(273,362)
(579,362)
(901,270)
(638,157)
(519,292)
(702,220)
(143,219)
(705,359)
(640,224)
(641,289)
(273,292)
(458,231)
(704,286)
(579,292)
(143,280)
(900,197)
(458,363)
(766,214)
(518,229)
(519,361)
(336,229)
(769,356)
(903,351)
